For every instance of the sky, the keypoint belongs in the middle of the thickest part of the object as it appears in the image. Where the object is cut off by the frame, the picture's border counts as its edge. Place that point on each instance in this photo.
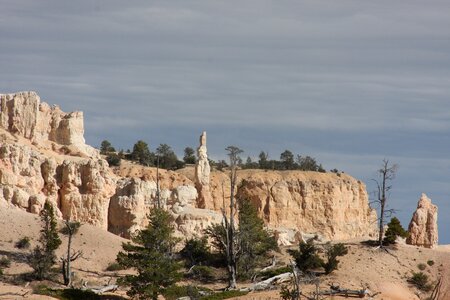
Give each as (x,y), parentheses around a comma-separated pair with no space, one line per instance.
(348,82)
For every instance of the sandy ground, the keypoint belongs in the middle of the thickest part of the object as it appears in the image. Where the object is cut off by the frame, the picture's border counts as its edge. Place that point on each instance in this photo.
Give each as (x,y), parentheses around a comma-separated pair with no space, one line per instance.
(383,273)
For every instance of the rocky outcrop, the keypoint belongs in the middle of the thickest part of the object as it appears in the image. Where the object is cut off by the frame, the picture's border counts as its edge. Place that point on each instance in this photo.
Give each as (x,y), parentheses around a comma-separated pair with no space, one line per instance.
(43,157)
(25,115)
(80,189)
(295,203)
(202,172)
(423,230)
(134,198)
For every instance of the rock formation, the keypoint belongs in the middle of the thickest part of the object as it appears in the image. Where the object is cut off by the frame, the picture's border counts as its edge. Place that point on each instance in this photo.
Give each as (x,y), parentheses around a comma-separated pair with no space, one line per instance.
(295,203)
(23,114)
(202,172)
(43,157)
(135,198)
(423,230)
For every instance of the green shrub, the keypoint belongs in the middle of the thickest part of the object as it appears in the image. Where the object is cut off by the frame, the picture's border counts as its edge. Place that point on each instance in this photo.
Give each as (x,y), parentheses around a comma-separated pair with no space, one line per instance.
(421,266)
(113,160)
(5,262)
(174,292)
(23,243)
(420,280)
(274,272)
(394,230)
(202,273)
(288,294)
(196,251)
(430,262)
(72,294)
(332,252)
(224,295)
(114,267)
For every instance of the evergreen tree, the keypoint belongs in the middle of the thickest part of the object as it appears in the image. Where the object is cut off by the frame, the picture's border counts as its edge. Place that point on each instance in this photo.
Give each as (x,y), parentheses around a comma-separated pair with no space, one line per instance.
(43,256)
(167,158)
(106,147)
(141,153)
(189,156)
(306,257)
(332,252)
(254,241)
(287,159)
(263,160)
(151,255)
(394,230)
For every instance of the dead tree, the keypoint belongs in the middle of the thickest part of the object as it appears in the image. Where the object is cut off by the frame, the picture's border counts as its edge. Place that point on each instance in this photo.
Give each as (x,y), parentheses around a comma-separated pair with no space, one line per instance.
(70,229)
(231,247)
(386,174)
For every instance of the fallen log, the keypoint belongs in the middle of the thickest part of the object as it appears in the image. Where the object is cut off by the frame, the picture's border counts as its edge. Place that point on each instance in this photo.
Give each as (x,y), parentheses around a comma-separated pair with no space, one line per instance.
(101,289)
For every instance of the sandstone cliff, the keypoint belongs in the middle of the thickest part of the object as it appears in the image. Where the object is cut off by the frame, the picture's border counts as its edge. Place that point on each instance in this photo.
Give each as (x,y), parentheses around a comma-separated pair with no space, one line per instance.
(293,203)
(43,157)
(23,114)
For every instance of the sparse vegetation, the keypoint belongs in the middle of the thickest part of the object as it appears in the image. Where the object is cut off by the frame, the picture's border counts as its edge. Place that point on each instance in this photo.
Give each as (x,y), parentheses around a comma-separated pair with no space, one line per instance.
(331,253)
(430,262)
(421,266)
(421,281)
(43,256)
(5,262)
(274,272)
(306,257)
(23,243)
(224,295)
(201,273)
(114,266)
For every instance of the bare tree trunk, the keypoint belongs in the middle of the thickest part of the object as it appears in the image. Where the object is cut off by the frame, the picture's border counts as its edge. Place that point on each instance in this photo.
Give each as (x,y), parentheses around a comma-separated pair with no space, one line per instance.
(387,174)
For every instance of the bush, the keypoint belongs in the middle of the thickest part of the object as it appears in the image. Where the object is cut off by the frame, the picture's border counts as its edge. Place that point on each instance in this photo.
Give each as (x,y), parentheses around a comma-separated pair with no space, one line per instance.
(224,295)
(114,267)
(274,272)
(113,160)
(176,291)
(332,252)
(196,251)
(72,294)
(420,280)
(430,262)
(421,266)
(1,272)
(5,262)
(201,273)
(23,243)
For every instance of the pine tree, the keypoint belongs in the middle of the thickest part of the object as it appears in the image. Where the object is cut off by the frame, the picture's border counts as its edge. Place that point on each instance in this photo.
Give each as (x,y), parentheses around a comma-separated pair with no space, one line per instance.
(394,230)
(306,257)
(255,242)
(43,256)
(151,256)
(331,253)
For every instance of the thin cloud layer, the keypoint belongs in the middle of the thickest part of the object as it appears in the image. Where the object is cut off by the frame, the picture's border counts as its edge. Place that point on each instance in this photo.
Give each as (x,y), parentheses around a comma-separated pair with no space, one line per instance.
(349,82)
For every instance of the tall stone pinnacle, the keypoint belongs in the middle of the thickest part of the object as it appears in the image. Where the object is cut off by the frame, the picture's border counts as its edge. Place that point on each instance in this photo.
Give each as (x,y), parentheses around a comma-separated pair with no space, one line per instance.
(202,172)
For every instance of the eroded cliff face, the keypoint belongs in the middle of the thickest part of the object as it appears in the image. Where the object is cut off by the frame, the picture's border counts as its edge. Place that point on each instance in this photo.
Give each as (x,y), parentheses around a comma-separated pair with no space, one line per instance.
(25,115)
(79,189)
(43,157)
(296,203)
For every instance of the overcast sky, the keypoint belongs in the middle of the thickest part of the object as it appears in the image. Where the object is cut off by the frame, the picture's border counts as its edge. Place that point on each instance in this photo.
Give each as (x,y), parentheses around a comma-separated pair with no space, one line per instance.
(347,82)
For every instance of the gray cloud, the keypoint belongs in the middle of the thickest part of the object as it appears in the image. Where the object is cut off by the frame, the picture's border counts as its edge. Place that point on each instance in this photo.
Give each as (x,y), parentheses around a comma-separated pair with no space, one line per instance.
(349,82)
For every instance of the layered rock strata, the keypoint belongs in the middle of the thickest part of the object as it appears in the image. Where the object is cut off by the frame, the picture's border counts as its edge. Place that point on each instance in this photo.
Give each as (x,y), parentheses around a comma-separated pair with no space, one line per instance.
(43,157)
(25,115)
(423,229)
